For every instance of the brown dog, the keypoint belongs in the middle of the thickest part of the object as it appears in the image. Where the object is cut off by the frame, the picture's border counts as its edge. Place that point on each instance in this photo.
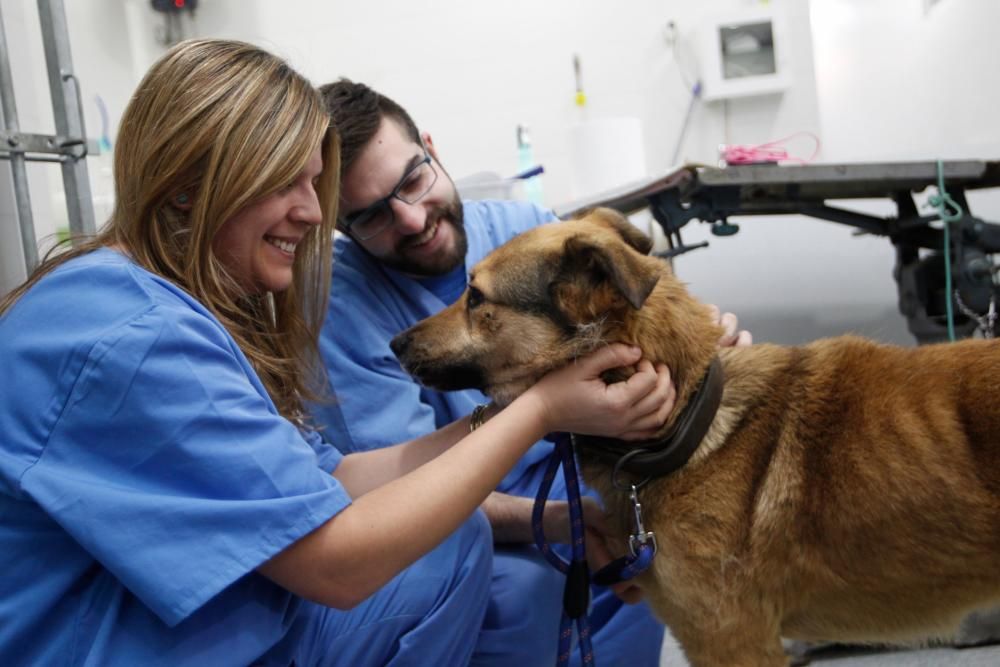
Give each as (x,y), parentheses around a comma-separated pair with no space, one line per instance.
(844,490)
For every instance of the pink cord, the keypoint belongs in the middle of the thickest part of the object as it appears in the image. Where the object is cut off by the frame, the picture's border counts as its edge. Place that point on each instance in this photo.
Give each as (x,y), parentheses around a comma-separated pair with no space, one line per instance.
(768,153)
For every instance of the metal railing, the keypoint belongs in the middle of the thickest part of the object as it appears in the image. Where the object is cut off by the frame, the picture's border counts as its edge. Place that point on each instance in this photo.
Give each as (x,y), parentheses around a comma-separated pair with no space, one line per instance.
(67,147)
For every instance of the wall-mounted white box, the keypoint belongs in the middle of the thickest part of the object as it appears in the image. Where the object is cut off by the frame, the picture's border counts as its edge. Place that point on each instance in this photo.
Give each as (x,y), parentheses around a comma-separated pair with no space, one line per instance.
(744,53)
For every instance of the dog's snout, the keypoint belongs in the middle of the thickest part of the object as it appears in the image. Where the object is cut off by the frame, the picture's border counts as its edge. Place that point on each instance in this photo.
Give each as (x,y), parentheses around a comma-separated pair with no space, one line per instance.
(400,344)
(427,358)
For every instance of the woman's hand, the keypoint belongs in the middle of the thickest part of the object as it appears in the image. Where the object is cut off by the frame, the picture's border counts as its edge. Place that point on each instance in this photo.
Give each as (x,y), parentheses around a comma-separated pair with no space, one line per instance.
(577,400)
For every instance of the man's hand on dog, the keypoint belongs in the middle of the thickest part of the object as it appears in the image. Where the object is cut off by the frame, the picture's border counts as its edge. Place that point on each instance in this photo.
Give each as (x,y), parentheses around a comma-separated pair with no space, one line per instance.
(731,336)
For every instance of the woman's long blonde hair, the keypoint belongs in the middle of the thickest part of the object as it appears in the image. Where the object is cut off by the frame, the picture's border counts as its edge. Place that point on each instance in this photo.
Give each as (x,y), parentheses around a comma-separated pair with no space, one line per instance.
(223,124)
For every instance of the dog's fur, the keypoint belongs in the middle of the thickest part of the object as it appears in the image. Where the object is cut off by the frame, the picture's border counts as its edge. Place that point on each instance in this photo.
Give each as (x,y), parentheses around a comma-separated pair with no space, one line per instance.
(846,490)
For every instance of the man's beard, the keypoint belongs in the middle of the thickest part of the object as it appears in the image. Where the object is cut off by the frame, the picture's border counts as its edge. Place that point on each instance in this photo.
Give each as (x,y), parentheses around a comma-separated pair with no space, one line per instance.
(450,213)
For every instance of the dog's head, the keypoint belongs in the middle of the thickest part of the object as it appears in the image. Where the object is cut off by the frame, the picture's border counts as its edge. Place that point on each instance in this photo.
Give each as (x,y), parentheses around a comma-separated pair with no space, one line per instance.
(539,301)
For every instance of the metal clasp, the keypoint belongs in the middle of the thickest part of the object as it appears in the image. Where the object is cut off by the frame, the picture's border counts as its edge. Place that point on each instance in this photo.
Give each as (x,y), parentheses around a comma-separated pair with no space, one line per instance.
(641,536)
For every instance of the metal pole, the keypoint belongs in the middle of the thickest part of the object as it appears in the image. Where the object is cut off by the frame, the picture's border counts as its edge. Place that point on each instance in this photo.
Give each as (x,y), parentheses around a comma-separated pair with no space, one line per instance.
(22,197)
(68,114)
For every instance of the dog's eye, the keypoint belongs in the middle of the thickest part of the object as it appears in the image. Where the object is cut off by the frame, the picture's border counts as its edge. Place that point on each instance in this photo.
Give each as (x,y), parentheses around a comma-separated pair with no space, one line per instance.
(474,298)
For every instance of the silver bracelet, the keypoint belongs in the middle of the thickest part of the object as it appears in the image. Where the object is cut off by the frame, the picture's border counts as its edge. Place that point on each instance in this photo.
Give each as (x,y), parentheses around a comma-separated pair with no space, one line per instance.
(478,417)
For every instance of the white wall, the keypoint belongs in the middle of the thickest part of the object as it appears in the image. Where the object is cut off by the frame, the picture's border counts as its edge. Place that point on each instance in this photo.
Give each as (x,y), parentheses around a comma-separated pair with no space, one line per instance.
(875,79)
(896,81)
(471,72)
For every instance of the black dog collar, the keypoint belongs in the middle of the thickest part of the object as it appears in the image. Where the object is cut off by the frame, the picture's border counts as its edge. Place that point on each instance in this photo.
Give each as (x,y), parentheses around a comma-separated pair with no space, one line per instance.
(658,458)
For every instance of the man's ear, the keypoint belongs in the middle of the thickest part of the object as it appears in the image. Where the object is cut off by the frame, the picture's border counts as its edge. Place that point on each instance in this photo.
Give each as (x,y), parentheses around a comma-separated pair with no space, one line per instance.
(613,264)
(429,145)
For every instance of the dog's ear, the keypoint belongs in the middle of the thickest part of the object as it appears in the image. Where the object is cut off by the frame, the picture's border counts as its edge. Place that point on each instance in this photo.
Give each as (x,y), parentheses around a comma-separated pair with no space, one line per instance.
(614,264)
(619,223)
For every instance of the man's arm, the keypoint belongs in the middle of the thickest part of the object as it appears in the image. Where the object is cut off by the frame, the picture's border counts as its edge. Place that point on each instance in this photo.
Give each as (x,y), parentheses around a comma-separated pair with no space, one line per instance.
(510,517)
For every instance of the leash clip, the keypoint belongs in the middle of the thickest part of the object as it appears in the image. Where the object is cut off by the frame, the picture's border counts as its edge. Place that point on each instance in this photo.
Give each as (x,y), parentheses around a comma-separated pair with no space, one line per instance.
(641,536)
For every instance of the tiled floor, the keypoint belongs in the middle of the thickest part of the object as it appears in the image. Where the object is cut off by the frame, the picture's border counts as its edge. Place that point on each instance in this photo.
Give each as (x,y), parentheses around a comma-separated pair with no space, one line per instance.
(983,656)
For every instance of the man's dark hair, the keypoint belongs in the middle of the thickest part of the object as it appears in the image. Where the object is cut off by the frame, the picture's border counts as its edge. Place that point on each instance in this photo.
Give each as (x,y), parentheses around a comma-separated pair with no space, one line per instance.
(357,111)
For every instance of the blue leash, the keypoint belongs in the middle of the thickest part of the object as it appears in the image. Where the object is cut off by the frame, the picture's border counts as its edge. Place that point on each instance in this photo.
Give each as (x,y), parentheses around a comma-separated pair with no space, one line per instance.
(576,594)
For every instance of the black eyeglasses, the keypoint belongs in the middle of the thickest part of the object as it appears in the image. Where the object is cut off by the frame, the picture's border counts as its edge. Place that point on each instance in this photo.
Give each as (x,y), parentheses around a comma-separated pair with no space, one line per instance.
(371,221)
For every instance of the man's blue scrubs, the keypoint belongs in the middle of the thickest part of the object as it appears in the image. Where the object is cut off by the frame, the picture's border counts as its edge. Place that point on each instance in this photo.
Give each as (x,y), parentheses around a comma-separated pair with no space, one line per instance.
(379,404)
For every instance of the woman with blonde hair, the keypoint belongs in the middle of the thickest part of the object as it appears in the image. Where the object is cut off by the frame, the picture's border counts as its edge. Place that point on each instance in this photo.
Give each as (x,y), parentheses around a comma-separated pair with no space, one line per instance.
(163,499)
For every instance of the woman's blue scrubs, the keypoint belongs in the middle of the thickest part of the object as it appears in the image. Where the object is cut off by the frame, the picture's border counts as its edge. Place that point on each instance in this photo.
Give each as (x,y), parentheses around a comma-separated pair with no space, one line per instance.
(145,474)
